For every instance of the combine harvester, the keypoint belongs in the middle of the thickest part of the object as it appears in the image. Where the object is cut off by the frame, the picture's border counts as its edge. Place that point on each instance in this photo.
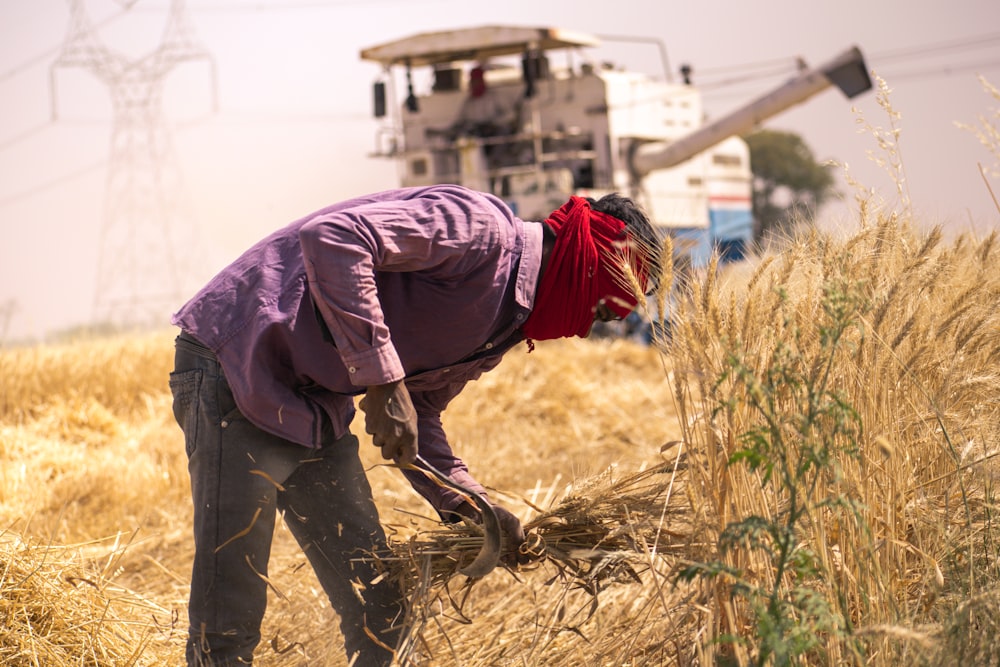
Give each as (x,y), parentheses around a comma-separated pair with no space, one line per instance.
(499,116)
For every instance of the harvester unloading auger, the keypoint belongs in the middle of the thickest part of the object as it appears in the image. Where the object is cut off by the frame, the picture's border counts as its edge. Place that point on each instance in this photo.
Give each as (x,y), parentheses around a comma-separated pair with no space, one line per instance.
(497,116)
(846,71)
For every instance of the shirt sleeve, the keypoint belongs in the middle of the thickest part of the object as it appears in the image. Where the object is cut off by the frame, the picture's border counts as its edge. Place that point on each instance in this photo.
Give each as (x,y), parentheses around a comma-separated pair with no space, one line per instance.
(343,250)
(434,447)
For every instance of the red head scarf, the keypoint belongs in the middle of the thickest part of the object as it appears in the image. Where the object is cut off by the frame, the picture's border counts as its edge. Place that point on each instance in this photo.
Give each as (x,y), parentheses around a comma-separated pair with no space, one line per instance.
(585,267)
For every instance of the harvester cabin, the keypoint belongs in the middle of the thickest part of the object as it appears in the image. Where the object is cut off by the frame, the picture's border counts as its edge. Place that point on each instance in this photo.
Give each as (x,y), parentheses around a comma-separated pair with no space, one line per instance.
(523,113)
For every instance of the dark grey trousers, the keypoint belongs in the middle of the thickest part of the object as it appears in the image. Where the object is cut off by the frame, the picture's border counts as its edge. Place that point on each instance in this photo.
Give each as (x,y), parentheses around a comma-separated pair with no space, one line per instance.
(241,477)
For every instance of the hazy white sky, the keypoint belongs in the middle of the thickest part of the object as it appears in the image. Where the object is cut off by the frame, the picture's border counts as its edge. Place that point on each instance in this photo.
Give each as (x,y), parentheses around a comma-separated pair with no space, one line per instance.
(293,129)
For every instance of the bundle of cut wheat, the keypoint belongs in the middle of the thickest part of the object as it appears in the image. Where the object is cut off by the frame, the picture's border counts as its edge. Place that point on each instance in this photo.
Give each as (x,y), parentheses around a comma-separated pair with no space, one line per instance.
(609,529)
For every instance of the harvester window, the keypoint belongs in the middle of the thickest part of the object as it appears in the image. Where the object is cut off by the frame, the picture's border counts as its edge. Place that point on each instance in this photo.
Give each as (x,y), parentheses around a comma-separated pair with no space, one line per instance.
(447,78)
(726,160)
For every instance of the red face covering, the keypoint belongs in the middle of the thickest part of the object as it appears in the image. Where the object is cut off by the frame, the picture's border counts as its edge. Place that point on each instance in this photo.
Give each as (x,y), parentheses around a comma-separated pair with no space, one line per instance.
(585,267)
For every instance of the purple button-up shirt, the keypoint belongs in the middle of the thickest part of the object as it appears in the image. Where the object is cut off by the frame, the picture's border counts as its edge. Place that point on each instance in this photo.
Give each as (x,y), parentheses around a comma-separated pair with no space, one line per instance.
(428,284)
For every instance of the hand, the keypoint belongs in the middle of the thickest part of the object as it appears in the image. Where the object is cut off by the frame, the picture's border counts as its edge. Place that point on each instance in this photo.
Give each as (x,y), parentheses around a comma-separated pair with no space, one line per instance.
(513,538)
(391,420)
(512,534)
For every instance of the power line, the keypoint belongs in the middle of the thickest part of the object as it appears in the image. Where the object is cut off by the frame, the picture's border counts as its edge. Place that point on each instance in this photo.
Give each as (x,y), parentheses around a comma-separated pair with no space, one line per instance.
(910,52)
(889,76)
(24,194)
(943,70)
(914,52)
(275,117)
(760,64)
(26,134)
(265,117)
(721,83)
(290,4)
(55,50)
(900,55)
(31,62)
(907,53)
(220,7)
(183,125)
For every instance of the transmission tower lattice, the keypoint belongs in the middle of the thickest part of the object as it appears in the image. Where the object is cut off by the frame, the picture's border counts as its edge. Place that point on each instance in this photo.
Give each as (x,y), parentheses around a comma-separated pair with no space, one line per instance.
(145,238)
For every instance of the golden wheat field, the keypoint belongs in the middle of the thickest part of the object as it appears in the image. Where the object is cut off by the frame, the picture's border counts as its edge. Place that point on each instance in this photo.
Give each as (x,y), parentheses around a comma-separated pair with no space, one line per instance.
(803,472)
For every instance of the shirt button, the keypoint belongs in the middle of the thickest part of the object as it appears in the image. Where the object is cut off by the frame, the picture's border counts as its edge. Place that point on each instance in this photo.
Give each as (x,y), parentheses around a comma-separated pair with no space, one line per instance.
(520,317)
(489,346)
(445,370)
(352,369)
(224,424)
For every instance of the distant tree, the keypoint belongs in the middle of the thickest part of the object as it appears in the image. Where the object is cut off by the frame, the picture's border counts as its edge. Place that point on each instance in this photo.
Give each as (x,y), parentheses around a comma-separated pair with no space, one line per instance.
(789,185)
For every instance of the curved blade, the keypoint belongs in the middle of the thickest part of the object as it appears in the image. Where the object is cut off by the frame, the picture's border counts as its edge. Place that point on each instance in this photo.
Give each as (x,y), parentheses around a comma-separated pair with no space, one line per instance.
(489,554)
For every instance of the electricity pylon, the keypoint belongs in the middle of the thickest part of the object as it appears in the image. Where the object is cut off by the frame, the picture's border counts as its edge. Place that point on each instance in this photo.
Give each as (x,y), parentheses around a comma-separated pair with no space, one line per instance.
(146,237)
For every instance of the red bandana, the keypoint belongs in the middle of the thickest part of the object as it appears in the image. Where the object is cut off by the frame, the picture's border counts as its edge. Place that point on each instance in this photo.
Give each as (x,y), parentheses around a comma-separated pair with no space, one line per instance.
(585,267)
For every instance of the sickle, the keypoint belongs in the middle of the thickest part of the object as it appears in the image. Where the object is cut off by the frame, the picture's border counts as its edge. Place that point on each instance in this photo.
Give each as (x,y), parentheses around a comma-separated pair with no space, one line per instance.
(489,554)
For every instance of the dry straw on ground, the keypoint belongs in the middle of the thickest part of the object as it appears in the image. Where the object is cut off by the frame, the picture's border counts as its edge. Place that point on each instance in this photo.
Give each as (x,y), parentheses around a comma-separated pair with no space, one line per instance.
(57,609)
